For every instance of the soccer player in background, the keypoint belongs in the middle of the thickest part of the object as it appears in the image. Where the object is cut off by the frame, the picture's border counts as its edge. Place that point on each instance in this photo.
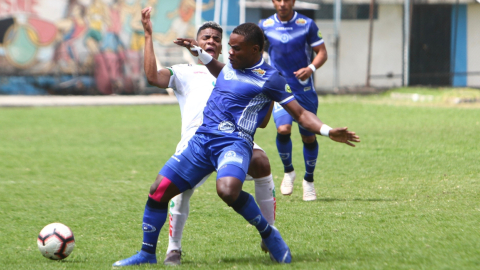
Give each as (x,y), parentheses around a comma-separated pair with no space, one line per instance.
(241,98)
(192,85)
(291,37)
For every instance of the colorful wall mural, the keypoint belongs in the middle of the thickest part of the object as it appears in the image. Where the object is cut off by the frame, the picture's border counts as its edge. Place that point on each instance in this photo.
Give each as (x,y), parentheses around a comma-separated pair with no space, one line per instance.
(88,46)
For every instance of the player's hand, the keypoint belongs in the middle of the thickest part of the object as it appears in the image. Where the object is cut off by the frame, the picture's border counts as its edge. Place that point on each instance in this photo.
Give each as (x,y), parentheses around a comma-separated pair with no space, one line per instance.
(343,135)
(303,74)
(187,43)
(147,24)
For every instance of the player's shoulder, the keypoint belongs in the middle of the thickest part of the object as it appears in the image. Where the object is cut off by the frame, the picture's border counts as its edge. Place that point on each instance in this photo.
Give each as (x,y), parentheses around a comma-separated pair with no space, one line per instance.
(268,22)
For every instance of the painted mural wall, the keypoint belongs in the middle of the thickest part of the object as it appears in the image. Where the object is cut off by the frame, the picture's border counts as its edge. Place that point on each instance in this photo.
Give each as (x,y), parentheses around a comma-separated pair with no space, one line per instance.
(87,46)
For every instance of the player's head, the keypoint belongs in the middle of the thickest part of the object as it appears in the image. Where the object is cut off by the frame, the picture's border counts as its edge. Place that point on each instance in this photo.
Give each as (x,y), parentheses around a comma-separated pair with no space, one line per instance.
(246,45)
(284,8)
(209,38)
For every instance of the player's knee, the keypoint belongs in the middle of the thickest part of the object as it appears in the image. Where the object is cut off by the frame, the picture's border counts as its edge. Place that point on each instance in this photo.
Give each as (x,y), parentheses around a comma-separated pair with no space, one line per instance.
(259,164)
(155,184)
(309,139)
(228,190)
(284,129)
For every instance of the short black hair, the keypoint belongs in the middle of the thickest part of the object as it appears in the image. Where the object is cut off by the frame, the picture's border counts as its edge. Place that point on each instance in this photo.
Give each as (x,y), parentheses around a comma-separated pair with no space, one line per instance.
(210,24)
(252,34)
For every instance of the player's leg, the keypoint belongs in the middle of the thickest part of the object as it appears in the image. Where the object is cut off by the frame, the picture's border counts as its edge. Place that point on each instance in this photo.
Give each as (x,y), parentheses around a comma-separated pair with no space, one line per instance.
(178,214)
(232,167)
(283,122)
(259,170)
(310,148)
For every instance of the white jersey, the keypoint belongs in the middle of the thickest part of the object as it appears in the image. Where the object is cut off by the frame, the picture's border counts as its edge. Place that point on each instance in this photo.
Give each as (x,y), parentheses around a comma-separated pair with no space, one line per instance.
(192,85)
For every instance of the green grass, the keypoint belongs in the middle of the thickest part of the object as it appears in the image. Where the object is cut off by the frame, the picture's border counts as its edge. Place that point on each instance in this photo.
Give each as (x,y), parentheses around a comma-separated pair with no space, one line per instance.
(407,197)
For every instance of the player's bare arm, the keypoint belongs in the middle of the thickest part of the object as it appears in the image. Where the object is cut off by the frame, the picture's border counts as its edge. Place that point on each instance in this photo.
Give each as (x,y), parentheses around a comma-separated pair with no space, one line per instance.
(320,59)
(311,122)
(213,65)
(159,78)
(267,116)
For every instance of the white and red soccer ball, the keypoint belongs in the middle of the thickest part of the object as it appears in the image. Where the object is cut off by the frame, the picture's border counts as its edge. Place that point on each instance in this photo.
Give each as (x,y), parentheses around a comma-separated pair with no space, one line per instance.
(56,241)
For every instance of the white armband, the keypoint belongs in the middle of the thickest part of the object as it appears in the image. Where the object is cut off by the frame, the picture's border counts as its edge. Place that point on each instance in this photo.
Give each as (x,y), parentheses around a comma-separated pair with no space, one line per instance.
(325,130)
(312,67)
(202,55)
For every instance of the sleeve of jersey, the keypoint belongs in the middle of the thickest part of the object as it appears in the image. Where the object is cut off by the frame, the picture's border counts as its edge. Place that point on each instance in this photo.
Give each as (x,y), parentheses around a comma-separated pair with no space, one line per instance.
(277,89)
(173,73)
(314,36)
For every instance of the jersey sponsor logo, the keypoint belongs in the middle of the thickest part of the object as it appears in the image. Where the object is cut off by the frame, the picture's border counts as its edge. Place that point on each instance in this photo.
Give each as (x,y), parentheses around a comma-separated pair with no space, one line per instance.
(226,126)
(284,38)
(148,228)
(199,72)
(268,23)
(319,34)
(229,75)
(260,72)
(288,89)
(284,28)
(301,21)
(308,88)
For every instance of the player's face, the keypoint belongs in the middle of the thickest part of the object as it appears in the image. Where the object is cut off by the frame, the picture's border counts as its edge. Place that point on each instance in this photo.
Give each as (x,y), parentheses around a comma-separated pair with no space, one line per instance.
(210,40)
(284,8)
(241,54)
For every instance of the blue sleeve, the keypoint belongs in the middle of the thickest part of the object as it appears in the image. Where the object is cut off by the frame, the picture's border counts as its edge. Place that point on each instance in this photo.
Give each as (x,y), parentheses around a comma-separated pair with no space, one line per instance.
(314,36)
(277,89)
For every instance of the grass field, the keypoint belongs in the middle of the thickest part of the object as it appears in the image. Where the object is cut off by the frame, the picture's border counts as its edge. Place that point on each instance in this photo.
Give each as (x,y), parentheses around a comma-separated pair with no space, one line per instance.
(407,197)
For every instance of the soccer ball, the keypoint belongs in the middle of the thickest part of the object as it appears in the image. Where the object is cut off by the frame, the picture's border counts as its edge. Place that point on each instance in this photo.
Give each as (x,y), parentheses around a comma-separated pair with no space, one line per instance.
(56,241)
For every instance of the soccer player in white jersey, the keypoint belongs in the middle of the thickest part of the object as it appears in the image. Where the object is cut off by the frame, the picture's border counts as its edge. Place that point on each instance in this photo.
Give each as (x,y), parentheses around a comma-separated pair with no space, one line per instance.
(292,37)
(192,85)
(239,102)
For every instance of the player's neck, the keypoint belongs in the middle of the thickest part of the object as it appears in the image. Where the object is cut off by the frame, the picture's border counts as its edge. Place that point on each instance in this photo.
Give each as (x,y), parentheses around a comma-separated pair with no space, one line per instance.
(287,17)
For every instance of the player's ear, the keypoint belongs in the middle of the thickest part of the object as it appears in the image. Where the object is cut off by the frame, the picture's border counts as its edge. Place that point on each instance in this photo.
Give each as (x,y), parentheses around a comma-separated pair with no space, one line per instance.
(256,48)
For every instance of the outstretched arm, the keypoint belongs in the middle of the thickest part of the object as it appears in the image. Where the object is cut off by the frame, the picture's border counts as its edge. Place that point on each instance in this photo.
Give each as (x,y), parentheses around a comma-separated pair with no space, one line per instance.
(311,122)
(158,78)
(211,63)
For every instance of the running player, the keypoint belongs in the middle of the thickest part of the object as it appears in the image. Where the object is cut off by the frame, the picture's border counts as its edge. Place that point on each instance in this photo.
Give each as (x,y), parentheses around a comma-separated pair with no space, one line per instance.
(192,85)
(292,37)
(241,98)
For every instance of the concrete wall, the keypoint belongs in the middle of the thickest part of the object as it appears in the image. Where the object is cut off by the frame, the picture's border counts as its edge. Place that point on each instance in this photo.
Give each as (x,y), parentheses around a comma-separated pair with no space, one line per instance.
(473,44)
(386,50)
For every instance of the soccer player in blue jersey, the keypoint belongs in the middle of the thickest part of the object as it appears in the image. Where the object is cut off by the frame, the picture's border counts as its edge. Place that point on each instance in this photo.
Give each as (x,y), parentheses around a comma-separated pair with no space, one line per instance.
(244,89)
(291,37)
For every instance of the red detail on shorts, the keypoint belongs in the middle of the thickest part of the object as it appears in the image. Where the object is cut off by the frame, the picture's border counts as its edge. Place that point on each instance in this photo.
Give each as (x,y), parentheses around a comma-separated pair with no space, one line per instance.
(162,187)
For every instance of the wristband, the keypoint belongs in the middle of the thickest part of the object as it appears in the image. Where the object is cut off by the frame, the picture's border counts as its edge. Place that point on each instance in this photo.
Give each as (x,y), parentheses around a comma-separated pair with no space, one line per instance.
(202,55)
(312,67)
(325,130)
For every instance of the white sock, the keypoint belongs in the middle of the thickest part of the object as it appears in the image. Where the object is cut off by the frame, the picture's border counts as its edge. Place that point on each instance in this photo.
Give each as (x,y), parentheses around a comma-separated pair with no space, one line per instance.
(265,197)
(177,217)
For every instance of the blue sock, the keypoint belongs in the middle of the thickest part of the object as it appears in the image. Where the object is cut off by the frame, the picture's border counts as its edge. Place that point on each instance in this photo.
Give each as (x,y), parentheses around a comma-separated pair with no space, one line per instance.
(153,219)
(284,146)
(310,154)
(245,205)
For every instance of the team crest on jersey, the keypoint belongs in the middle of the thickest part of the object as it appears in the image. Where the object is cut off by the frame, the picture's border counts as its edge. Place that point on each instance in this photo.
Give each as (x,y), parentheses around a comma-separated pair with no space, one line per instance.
(319,34)
(284,38)
(287,88)
(229,75)
(301,21)
(226,126)
(260,72)
(268,23)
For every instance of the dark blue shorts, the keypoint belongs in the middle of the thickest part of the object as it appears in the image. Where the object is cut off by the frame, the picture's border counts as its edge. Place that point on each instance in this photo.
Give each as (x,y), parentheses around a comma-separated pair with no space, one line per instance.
(281,116)
(205,153)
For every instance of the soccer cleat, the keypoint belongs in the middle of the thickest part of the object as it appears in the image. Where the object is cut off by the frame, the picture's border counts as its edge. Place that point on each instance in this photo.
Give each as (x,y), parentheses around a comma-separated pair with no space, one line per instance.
(308,191)
(173,258)
(287,184)
(279,251)
(141,257)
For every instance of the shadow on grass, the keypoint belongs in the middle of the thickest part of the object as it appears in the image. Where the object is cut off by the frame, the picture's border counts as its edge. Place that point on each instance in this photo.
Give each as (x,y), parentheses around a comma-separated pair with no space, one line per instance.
(355,200)
(254,260)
